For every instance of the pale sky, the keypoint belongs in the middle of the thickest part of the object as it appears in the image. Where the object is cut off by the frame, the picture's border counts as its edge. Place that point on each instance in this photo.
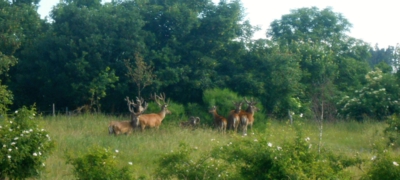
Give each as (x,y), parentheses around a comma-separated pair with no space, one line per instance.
(373,21)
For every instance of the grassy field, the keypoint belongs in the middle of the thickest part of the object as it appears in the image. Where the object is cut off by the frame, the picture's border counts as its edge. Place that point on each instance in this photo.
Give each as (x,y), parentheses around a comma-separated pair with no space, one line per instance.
(78,133)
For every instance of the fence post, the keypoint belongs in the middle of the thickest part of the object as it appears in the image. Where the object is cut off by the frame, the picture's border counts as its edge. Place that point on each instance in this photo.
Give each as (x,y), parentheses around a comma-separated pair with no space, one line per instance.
(54,110)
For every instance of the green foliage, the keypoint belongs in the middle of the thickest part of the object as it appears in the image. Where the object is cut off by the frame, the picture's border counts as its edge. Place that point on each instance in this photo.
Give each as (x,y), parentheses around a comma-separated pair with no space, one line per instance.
(222,98)
(392,131)
(6,98)
(98,163)
(384,166)
(256,158)
(179,164)
(378,98)
(24,146)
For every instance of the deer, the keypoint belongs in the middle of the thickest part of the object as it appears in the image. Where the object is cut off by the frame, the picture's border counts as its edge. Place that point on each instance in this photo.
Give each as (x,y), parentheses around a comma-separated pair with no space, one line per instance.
(154,120)
(234,118)
(219,121)
(126,127)
(247,117)
(192,122)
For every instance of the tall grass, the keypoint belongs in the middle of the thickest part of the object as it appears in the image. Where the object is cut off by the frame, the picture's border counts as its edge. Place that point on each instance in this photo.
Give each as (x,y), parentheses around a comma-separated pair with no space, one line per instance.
(74,135)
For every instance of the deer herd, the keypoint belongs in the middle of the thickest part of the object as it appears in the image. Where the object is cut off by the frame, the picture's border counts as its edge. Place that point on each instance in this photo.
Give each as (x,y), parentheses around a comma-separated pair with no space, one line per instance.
(238,119)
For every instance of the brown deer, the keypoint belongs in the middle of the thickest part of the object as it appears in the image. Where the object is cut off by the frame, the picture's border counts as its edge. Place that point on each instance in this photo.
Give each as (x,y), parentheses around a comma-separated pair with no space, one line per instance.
(126,127)
(155,119)
(234,118)
(219,121)
(193,122)
(247,117)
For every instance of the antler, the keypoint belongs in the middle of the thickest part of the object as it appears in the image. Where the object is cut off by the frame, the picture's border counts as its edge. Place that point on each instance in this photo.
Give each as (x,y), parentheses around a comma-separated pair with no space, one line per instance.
(138,105)
(251,102)
(156,98)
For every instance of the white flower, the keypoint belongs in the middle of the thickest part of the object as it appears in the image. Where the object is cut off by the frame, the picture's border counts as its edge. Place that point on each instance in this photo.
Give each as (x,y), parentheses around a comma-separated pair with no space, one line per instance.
(195,147)
(34,154)
(16,111)
(43,164)
(4,145)
(255,140)
(1,127)
(395,163)
(10,149)
(309,146)
(373,158)
(212,139)
(16,138)
(40,153)
(307,138)
(301,115)
(10,129)
(270,144)
(130,163)
(9,157)
(13,143)
(116,151)
(33,114)
(30,130)
(279,148)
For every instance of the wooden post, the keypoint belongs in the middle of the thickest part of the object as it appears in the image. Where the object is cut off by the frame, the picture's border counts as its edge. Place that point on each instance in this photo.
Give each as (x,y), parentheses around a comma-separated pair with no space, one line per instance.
(54,110)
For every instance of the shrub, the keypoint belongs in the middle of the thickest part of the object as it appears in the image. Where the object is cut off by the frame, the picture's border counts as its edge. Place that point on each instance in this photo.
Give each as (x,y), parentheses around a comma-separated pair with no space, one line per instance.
(24,146)
(378,99)
(393,130)
(180,165)
(99,164)
(384,166)
(254,157)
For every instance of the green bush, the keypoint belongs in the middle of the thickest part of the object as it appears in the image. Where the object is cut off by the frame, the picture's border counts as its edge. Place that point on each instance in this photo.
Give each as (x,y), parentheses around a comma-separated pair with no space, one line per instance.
(98,164)
(180,165)
(378,99)
(254,157)
(384,166)
(392,131)
(24,146)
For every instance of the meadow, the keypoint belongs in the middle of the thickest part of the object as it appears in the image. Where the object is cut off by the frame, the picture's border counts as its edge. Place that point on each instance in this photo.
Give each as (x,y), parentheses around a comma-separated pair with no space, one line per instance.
(76,134)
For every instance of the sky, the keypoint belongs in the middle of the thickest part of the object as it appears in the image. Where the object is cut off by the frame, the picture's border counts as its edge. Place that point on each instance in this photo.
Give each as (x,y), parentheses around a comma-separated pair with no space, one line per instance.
(375,22)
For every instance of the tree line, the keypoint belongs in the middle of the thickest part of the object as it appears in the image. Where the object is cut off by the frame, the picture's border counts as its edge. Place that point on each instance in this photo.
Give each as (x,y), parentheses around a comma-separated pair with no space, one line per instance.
(96,54)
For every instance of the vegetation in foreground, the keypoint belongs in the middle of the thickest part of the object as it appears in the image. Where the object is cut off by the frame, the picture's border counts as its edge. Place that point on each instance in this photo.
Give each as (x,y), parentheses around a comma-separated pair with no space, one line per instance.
(156,153)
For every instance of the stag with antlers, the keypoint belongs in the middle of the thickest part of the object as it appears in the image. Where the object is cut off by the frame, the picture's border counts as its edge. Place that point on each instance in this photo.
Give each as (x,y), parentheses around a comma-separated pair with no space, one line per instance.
(155,119)
(219,121)
(247,117)
(126,127)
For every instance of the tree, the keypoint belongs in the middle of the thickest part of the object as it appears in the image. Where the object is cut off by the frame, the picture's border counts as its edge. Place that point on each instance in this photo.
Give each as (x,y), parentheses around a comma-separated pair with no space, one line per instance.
(141,74)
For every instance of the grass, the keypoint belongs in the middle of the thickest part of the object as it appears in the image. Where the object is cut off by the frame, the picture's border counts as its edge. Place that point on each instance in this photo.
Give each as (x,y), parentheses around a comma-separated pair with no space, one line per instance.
(75,135)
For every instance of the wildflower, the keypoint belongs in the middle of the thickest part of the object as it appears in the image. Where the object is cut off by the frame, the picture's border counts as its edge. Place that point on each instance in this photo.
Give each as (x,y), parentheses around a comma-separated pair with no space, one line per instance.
(10,129)
(279,148)
(195,147)
(4,145)
(43,164)
(255,140)
(13,143)
(270,144)
(130,163)
(116,151)
(34,154)
(307,138)
(301,115)
(212,139)
(40,153)
(309,146)
(1,127)
(373,158)
(16,138)
(9,157)
(30,130)
(10,149)
(16,111)
(395,163)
